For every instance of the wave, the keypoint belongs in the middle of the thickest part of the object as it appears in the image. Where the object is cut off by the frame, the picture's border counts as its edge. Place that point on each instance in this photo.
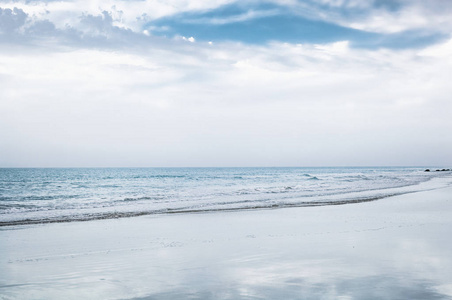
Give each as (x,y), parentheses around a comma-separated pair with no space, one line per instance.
(159,176)
(198,191)
(227,206)
(188,210)
(140,199)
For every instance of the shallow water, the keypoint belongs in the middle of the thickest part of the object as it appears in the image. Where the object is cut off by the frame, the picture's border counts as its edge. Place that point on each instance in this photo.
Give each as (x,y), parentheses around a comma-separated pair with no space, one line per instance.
(55,195)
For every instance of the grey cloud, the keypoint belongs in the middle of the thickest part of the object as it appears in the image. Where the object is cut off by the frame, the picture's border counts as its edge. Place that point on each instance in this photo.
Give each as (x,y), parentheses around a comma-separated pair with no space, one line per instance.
(44,27)
(16,24)
(97,32)
(99,24)
(11,20)
(18,27)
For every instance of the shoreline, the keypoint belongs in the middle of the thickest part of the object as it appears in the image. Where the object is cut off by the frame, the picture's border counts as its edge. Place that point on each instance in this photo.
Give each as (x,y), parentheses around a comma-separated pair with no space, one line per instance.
(111,216)
(298,204)
(394,248)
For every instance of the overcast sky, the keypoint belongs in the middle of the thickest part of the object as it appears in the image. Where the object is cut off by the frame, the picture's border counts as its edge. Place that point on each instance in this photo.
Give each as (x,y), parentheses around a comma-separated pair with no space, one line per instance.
(225,83)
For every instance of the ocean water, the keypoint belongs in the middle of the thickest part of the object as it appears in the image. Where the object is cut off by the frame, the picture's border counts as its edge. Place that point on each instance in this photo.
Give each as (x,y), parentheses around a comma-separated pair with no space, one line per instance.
(43,195)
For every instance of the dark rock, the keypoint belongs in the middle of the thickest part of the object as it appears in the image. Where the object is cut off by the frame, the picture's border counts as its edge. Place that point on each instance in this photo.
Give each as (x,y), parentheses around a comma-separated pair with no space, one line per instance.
(427,170)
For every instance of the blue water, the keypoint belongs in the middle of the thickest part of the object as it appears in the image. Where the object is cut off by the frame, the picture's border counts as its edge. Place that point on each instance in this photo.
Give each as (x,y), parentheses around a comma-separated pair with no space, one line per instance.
(55,195)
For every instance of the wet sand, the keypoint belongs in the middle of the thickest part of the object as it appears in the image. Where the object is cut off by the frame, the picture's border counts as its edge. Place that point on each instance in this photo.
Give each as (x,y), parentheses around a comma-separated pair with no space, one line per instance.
(395,248)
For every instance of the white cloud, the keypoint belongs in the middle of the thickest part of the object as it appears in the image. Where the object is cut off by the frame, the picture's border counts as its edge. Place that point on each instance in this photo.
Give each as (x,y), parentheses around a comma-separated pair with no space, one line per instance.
(378,16)
(189,39)
(126,14)
(431,16)
(413,17)
(83,84)
(249,15)
(441,51)
(185,103)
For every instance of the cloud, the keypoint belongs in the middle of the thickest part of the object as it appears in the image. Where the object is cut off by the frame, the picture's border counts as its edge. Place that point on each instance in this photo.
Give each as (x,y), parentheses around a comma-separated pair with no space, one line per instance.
(101,23)
(305,22)
(87,32)
(11,20)
(125,14)
(241,17)
(379,15)
(378,23)
(227,103)
(89,87)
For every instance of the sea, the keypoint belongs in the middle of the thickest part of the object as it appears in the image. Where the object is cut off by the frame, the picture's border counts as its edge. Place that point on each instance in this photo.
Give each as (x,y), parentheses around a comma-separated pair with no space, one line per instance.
(43,195)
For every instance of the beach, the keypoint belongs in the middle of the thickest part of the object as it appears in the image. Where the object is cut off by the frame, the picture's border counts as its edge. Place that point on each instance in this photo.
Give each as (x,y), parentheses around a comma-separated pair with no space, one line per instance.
(393,248)
(225,150)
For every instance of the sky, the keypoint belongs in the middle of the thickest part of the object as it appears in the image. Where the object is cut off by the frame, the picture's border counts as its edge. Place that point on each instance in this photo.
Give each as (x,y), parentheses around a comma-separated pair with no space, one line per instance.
(222,83)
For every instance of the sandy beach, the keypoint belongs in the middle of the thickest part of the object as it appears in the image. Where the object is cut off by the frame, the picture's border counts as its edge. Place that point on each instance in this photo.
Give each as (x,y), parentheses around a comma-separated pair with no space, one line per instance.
(225,150)
(395,248)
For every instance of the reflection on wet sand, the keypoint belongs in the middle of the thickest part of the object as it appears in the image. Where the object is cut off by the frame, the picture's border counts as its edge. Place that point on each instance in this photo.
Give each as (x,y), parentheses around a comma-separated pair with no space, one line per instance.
(386,274)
